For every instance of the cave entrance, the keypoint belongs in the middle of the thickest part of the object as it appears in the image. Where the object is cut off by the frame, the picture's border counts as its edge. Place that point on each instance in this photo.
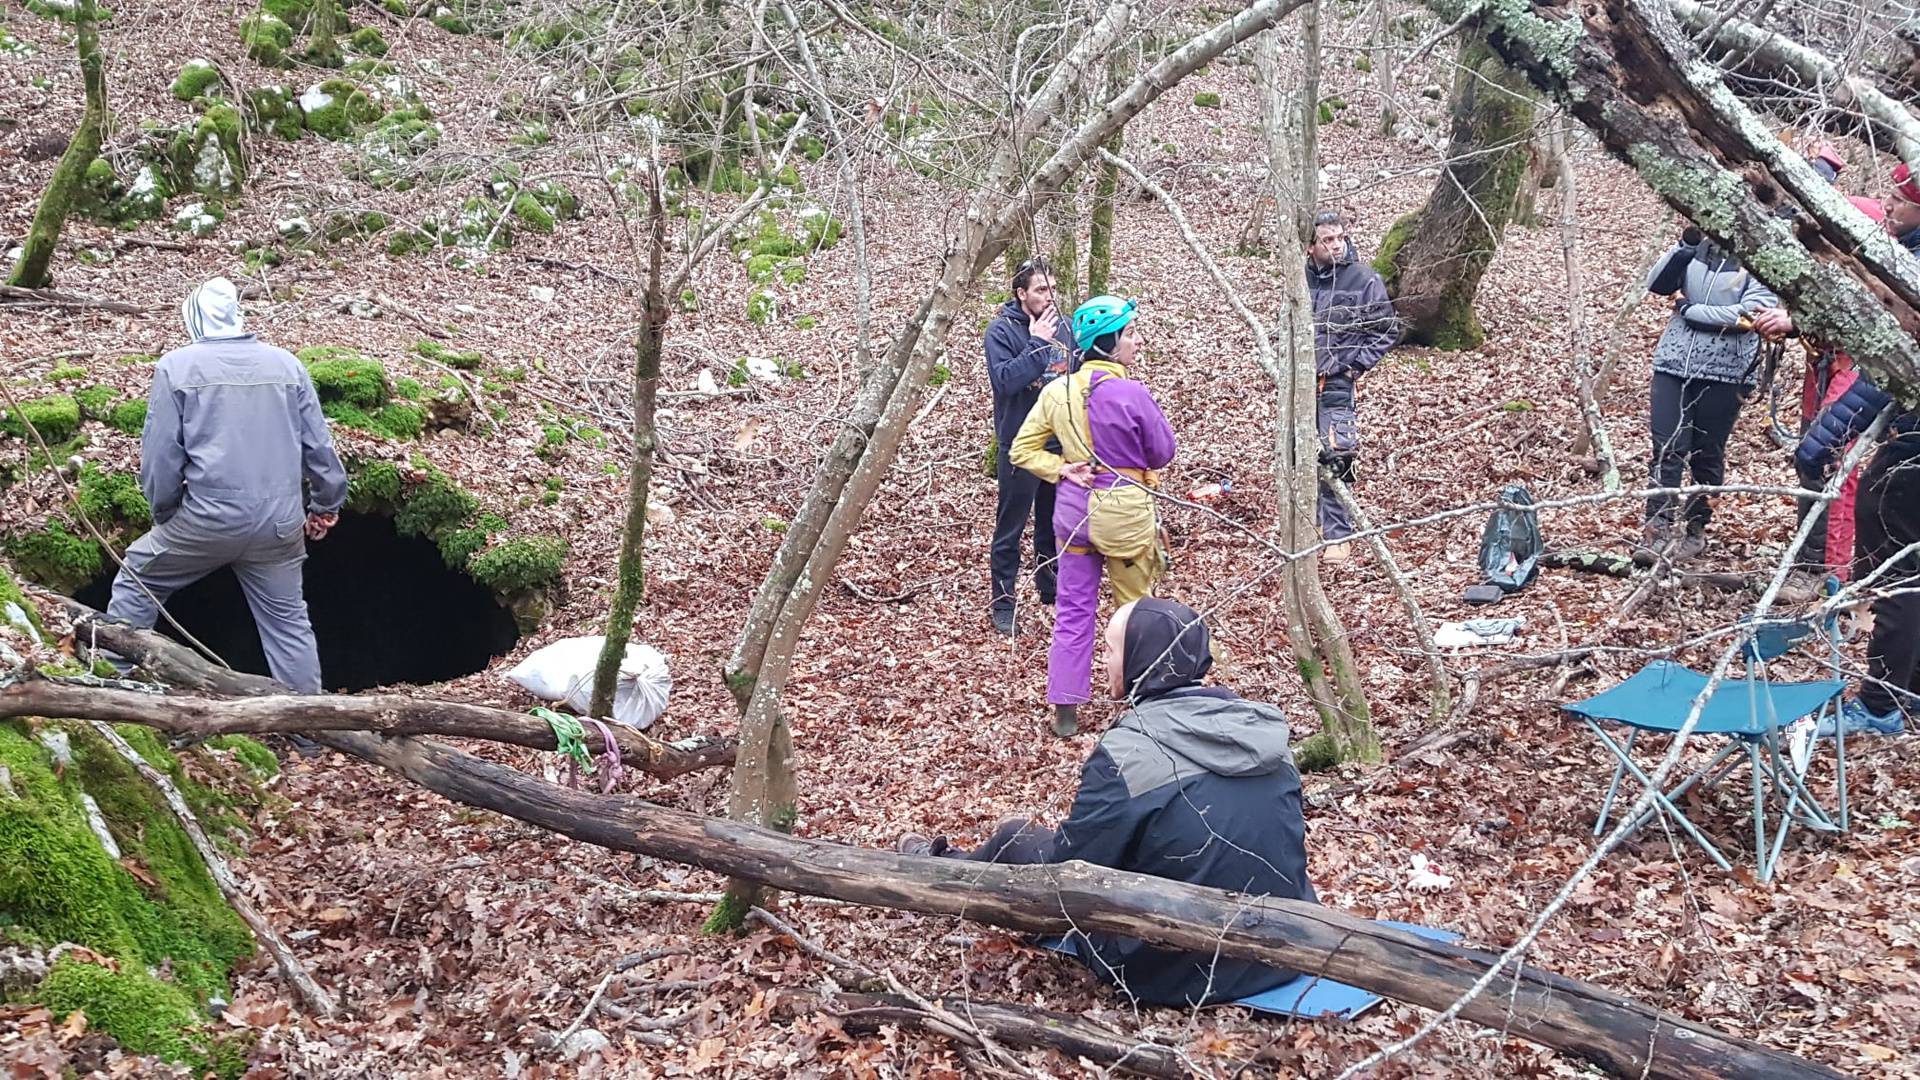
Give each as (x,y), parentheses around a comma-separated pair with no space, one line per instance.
(385,609)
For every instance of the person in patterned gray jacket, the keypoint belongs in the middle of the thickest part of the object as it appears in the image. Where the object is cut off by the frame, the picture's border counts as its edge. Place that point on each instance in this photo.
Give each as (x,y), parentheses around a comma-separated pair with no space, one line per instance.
(1701,368)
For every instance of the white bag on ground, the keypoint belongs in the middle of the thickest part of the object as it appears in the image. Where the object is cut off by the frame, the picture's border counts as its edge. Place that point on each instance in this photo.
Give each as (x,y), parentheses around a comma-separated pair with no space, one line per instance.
(563,672)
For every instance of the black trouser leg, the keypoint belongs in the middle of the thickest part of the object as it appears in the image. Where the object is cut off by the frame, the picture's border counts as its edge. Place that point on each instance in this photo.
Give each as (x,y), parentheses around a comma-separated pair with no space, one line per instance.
(1670,444)
(1711,411)
(1018,489)
(1014,843)
(1887,519)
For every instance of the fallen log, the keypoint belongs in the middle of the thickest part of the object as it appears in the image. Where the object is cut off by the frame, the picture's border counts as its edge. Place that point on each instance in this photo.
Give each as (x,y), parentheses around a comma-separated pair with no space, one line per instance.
(1623,1037)
(1622,566)
(385,714)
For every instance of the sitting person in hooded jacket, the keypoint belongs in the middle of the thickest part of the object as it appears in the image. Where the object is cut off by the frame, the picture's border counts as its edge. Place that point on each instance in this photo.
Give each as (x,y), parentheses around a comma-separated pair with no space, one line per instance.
(1193,784)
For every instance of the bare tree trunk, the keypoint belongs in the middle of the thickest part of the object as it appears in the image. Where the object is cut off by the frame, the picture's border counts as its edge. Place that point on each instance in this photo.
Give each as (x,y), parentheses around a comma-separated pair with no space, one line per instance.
(1381,55)
(1106,189)
(36,255)
(869,439)
(1319,642)
(631,581)
(1432,259)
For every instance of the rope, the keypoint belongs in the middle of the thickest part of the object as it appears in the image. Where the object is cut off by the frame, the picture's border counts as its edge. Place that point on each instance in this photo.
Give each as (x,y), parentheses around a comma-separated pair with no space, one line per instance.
(610,768)
(571,738)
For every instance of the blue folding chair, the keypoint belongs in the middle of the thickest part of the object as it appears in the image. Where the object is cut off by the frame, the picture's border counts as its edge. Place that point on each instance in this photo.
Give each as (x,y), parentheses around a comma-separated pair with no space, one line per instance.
(1752,714)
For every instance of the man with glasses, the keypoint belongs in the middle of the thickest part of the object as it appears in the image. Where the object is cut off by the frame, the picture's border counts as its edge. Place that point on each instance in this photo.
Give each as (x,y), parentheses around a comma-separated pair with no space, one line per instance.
(1028,345)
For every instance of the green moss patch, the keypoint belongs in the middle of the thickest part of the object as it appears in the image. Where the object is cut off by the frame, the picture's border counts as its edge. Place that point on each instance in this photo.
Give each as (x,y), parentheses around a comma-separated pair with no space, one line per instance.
(267,38)
(112,500)
(520,563)
(453,358)
(129,417)
(197,78)
(58,884)
(55,416)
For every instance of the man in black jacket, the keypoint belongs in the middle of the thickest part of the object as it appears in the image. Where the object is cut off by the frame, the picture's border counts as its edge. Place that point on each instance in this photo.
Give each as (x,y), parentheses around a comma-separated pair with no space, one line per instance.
(1191,784)
(1028,344)
(1353,327)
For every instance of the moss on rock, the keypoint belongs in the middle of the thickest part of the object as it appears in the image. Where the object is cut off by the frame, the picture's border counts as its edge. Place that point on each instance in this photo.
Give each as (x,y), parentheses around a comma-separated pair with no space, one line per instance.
(197,78)
(129,417)
(55,416)
(520,563)
(367,41)
(272,108)
(18,611)
(96,401)
(432,505)
(346,375)
(267,39)
(112,500)
(335,108)
(454,358)
(58,884)
(56,557)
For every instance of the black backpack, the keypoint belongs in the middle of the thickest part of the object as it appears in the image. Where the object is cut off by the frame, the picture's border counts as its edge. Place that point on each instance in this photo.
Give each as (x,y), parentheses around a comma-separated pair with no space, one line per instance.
(1510,546)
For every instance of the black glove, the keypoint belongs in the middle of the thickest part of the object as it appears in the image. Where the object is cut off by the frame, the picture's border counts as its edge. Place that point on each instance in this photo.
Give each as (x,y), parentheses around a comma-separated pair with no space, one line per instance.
(1339,464)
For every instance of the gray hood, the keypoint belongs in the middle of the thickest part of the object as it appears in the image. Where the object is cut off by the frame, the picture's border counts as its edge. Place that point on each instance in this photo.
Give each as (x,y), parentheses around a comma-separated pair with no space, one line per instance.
(1179,735)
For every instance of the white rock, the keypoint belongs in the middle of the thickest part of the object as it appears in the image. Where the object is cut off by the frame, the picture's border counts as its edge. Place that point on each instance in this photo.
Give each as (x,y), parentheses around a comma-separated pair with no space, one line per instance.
(16,616)
(541,293)
(315,99)
(659,513)
(57,745)
(293,228)
(763,368)
(705,383)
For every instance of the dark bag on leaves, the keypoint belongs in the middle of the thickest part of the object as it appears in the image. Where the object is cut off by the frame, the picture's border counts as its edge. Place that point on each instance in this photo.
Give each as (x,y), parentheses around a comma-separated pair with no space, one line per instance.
(1510,547)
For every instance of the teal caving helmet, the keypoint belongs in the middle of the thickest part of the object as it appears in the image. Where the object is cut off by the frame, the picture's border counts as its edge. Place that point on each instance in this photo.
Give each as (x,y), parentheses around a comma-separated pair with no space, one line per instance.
(1098,317)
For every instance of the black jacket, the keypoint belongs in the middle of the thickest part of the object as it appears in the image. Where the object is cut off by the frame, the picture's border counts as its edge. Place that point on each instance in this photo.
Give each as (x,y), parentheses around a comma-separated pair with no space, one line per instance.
(1192,784)
(1017,365)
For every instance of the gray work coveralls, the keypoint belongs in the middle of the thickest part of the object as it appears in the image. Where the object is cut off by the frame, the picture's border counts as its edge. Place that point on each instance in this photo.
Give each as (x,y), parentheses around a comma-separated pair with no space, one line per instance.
(233,428)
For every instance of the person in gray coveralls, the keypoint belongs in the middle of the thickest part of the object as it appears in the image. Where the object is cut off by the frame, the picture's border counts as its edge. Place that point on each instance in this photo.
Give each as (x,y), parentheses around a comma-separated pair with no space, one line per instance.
(240,469)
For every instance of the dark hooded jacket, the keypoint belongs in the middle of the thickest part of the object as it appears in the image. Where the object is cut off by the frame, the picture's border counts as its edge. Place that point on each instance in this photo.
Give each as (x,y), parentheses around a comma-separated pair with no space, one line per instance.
(1017,365)
(1353,319)
(1192,784)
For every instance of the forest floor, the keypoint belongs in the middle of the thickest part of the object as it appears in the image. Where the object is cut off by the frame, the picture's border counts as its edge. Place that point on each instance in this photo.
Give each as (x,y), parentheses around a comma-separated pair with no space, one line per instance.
(458,939)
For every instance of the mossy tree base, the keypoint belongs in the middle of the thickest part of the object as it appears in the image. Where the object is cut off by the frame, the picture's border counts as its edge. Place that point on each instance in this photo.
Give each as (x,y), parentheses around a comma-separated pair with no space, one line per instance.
(1432,260)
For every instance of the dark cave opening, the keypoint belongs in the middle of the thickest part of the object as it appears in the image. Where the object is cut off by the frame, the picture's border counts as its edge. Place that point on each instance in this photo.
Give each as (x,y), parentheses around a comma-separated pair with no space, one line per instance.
(385,609)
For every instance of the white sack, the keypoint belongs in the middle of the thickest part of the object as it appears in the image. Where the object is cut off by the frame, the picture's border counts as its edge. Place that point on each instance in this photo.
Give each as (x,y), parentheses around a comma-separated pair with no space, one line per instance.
(563,672)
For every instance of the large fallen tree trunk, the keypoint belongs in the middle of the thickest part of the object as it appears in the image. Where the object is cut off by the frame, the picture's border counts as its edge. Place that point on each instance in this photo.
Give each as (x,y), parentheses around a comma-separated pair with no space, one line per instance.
(1624,69)
(385,714)
(1619,1035)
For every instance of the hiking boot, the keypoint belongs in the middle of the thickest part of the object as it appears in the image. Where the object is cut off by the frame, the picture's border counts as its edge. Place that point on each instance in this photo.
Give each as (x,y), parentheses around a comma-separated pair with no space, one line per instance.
(1066,720)
(1655,539)
(1857,719)
(1337,553)
(914,843)
(1690,546)
(1003,621)
(1801,587)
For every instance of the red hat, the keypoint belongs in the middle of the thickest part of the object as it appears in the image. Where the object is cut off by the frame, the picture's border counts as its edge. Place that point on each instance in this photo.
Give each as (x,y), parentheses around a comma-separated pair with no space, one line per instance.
(1870,207)
(1905,185)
